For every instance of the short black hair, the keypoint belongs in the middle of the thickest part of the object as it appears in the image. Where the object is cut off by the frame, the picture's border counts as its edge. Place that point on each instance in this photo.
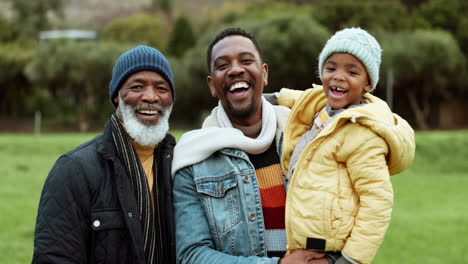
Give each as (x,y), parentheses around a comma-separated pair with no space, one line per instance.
(231,32)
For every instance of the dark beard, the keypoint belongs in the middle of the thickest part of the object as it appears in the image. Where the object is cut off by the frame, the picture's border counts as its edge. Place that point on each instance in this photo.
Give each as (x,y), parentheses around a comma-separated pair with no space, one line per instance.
(242,113)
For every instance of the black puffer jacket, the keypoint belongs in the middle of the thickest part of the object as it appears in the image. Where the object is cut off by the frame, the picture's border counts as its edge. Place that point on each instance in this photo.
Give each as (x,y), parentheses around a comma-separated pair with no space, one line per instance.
(88,212)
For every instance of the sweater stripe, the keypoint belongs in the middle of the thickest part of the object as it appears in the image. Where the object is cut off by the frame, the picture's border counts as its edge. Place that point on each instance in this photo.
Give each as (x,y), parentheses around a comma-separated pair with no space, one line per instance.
(265,175)
(276,240)
(273,197)
(276,217)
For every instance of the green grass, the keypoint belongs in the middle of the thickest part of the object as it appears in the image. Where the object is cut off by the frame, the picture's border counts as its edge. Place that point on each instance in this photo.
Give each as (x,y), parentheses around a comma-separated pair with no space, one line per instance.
(430,216)
(25,162)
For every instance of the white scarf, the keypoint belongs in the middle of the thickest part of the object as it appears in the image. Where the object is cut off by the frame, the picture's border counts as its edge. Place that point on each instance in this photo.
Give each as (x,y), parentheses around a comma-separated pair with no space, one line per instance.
(197,145)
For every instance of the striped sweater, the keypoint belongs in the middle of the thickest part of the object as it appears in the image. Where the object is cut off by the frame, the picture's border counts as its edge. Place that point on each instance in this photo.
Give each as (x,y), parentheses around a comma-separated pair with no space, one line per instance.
(273,196)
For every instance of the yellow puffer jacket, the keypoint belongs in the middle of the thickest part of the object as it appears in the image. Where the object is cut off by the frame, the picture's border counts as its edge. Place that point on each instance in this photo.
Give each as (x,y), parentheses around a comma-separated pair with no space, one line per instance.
(340,190)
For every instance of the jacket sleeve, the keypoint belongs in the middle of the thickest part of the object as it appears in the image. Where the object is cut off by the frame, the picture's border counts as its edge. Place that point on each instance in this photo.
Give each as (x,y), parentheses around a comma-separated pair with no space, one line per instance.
(370,178)
(288,97)
(62,227)
(194,241)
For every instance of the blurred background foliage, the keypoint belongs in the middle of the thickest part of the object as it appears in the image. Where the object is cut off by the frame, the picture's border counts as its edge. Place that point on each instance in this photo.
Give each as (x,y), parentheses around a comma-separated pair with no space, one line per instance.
(425,45)
(144,29)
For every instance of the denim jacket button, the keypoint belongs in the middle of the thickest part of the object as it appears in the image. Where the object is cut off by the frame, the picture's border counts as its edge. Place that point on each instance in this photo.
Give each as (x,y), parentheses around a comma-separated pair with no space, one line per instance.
(246,179)
(252,216)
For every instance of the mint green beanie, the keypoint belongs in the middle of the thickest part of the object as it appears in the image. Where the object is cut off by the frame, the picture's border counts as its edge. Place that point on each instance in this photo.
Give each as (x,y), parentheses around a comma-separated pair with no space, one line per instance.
(359,43)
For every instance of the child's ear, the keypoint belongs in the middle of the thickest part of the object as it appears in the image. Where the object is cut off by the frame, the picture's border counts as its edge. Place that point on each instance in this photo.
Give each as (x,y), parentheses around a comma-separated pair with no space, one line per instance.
(367,88)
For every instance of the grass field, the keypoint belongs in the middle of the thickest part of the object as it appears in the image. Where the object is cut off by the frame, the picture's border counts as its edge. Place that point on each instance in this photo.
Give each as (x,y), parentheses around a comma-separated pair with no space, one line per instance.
(430,216)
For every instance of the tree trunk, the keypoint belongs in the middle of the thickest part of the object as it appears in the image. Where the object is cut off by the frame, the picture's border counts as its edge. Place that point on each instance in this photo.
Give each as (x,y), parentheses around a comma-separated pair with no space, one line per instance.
(86,103)
(421,113)
(82,121)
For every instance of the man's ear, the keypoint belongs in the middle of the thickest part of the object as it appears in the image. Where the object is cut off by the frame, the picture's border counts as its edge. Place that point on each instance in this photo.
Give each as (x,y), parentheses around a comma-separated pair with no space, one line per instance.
(265,74)
(210,81)
(118,109)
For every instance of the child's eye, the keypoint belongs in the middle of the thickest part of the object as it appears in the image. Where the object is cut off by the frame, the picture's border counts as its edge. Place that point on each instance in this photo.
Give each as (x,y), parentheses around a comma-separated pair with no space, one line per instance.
(352,73)
(329,69)
(247,61)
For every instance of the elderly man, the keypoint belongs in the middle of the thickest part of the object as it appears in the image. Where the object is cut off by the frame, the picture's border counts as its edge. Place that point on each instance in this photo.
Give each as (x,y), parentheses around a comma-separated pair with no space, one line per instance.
(229,191)
(109,200)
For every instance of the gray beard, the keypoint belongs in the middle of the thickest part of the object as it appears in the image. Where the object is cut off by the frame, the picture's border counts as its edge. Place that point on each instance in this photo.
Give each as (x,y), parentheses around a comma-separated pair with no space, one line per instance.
(143,134)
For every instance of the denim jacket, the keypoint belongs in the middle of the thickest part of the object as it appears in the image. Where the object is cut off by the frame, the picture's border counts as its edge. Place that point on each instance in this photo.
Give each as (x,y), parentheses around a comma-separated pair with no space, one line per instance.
(218,210)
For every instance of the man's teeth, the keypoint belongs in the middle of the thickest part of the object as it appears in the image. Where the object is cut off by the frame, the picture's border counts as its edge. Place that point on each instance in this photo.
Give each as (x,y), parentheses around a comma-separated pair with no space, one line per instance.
(338,89)
(239,85)
(148,112)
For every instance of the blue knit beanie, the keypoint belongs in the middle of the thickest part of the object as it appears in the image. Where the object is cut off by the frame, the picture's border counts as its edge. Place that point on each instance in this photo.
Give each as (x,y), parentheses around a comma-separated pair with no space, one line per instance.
(140,58)
(359,43)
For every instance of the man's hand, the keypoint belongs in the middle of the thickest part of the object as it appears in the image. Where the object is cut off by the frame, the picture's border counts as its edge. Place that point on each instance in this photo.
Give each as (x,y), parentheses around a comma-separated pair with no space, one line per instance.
(299,256)
(319,261)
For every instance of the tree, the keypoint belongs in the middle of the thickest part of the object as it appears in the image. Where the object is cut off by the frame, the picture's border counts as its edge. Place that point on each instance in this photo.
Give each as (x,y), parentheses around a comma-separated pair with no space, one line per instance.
(74,79)
(427,65)
(30,17)
(449,15)
(413,3)
(15,88)
(7,32)
(137,29)
(164,5)
(182,37)
(371,15)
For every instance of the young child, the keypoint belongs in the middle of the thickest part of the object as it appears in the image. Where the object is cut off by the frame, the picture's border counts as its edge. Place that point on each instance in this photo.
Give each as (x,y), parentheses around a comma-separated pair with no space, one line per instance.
(341,144)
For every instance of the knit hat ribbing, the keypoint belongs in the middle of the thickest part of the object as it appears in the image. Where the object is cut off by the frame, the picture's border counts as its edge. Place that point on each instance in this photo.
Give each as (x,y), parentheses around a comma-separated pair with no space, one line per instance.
(359,43)
(140,58)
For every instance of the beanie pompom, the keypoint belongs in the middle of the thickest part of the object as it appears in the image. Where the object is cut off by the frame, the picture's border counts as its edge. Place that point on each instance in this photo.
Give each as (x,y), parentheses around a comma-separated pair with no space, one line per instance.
(140,58)
(359,43)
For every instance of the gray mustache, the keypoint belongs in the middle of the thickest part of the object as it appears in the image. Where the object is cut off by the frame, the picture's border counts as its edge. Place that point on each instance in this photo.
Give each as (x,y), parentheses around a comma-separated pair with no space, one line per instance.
(150,106)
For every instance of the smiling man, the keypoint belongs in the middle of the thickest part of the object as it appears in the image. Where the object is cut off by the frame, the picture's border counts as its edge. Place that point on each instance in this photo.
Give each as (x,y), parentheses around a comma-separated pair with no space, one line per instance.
(110,199)
(237,78)
(229,191)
